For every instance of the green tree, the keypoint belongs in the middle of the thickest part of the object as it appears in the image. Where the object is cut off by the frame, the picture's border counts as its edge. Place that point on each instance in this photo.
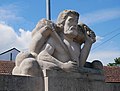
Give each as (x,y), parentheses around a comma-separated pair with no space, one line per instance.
(116,63)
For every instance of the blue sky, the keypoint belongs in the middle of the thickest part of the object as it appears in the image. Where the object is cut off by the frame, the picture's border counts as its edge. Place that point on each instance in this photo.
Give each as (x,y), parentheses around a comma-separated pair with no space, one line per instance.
(19,17)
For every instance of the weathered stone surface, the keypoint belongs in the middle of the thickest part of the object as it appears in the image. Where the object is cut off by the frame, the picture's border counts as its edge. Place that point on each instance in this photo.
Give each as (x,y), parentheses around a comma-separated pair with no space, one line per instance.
(20,83)
(62,81)
(58,81)
(63,45)
(114,86)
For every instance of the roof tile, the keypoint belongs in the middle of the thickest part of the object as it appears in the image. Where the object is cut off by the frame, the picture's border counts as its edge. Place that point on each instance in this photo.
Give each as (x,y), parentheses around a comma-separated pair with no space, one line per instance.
(112,73)
(6,67)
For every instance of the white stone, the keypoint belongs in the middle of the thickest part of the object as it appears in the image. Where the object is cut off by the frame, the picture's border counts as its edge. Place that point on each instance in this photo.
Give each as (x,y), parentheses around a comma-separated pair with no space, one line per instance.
(58,45)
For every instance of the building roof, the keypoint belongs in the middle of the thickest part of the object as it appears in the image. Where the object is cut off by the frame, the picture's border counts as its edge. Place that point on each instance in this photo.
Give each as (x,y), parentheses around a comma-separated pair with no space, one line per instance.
(9,50)
(6,67)
(112,73)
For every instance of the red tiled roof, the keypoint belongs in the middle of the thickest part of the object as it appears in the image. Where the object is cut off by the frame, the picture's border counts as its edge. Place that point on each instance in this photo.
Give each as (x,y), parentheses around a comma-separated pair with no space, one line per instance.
(112,73)
(6,67)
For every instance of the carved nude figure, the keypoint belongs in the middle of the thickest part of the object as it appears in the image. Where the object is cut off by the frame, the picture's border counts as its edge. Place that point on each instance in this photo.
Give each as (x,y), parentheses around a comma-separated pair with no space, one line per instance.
(56,46)
(64,50)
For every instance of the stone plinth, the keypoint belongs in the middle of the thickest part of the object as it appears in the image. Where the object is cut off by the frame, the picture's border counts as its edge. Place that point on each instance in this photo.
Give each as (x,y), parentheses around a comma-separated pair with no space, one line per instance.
(20,83)
(83,81)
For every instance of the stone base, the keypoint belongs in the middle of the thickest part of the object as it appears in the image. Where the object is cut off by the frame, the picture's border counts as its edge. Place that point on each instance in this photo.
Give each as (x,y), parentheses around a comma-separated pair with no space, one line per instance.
(62,81)
(20,83)
(85,80)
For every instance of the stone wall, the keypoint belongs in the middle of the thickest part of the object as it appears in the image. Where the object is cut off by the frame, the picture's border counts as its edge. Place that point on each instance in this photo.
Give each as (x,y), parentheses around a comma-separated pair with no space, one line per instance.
(19,83)
(113,86)
(58,81)
(62,81)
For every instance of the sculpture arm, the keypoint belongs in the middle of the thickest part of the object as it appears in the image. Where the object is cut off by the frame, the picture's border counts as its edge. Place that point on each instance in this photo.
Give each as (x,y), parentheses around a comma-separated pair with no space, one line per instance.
(46,55)
(90,38)
(84,53)
(39,39)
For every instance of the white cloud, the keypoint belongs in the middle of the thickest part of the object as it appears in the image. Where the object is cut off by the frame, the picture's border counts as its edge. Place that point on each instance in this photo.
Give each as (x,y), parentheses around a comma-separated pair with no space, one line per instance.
(9,13)
(105,57)
(9,38)
(98,39)
(12,15)
(24,39)
(100,16)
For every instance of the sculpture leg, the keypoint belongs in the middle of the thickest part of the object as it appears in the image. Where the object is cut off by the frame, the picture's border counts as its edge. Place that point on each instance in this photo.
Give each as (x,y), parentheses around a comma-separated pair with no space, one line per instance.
(30,67)
(39,39)
(48,65)
(21,56)
(19,59)
(16,70)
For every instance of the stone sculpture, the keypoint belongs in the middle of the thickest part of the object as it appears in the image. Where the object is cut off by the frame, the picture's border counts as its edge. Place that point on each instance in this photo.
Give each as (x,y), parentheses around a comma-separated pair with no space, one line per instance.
(57,46)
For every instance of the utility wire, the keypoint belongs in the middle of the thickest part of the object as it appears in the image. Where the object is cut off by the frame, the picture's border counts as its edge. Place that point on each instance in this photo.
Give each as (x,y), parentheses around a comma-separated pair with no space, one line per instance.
(106,41)
(111,32)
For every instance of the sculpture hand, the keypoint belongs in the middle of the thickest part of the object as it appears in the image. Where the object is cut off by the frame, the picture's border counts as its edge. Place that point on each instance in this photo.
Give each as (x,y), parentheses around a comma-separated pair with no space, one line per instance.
(70,66)
(89,35)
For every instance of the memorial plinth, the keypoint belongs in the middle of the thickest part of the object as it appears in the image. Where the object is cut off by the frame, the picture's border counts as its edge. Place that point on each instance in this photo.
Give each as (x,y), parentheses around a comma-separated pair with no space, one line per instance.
(83,81)
(20,83)
(54,80)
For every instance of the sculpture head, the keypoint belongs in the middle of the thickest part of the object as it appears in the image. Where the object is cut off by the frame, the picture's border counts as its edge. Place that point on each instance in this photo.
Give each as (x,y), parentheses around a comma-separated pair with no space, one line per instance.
(68,21)
(84,28)
(64,15)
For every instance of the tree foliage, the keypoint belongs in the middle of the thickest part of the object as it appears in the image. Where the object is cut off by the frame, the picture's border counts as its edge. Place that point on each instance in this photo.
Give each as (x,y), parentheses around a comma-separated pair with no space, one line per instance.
(116,62)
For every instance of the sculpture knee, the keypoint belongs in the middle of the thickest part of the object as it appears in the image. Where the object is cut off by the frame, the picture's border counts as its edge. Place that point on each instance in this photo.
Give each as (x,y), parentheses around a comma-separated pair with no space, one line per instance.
(21,56)
(30,67)
(39,39)
(42,23)
(16,70)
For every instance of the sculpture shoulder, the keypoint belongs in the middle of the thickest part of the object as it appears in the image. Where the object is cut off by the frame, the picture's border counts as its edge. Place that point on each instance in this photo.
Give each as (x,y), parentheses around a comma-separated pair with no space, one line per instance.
(44,25)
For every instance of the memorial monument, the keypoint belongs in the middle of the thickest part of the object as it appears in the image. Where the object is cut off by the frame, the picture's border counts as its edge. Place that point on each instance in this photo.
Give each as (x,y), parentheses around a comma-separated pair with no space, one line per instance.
(59,50)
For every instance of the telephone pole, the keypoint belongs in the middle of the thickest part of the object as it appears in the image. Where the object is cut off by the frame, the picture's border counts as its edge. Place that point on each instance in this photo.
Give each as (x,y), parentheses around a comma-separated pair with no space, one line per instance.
(48,12)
